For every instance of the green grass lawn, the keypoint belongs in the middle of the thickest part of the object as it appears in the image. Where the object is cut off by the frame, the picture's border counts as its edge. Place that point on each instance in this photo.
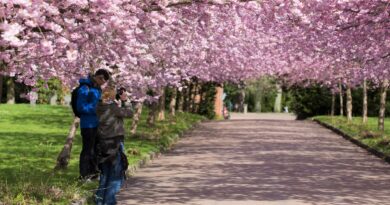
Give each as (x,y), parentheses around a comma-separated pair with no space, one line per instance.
(32,137)
(367,134)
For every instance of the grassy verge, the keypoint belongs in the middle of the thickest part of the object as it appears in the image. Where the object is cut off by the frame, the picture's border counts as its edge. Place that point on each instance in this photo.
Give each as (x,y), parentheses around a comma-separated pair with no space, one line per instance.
(366,134)
(32,137)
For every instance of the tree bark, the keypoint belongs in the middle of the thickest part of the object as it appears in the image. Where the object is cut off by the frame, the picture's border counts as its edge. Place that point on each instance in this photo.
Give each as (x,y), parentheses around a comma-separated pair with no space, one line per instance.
(349,104)
(195,97)
(152,113)
(333,104)
(241,99)
(365,118)
(278,99)
(203,96)
(218,106)
(64,156)
(198,97)
(136,117)
(382,109)
(341,100)
(161,105)
(186,94)
(1,88)
(180,100)
(172,103)
(10,91)
(191,97)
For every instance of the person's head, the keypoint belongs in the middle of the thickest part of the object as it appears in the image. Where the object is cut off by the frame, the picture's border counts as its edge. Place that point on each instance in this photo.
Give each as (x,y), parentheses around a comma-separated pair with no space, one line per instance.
(101,76)
(108,93)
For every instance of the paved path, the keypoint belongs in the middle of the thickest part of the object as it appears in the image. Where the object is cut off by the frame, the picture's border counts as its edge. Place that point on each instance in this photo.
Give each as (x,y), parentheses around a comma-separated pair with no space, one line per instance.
(266,162)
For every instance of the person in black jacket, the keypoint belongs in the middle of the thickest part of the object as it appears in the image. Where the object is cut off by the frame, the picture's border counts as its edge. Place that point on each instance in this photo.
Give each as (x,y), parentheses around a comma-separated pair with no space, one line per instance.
(111,156)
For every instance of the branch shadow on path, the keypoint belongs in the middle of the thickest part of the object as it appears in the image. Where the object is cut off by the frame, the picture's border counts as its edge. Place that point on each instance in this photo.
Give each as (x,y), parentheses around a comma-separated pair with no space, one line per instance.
(261,162)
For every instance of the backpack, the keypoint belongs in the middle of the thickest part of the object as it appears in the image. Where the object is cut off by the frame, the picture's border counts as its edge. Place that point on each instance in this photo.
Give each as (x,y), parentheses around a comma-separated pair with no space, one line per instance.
(73,101)
(125,163)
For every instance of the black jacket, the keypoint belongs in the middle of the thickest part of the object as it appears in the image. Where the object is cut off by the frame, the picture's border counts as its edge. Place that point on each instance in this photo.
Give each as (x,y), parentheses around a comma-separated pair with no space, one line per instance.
(111,130)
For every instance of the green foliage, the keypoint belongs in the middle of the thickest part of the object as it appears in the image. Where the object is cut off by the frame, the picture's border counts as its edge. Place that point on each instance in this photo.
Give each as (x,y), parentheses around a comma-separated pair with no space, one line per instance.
(32,137)
(310,101)
(367,134)
(206,107)
(47,89)
(261,94)
(316,100)
(232,93)
(373,104)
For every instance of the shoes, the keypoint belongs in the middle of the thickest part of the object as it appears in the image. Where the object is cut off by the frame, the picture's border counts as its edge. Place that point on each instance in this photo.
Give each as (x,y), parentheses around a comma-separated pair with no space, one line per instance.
(89,178)
(95,177)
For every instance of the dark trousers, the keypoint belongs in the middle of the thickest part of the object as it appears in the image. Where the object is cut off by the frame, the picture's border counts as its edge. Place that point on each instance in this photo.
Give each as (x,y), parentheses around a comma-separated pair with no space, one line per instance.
(88,158)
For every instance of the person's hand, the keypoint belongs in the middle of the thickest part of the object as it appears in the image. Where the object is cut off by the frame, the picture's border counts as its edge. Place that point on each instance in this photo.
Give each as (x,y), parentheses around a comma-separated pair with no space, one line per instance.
(118,102)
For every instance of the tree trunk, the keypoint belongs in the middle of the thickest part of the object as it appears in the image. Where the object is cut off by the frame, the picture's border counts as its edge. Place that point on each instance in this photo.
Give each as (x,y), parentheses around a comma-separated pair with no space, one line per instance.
(64,156)
(198,97)
(186,93)
(136,117)
(241,99)
(278,99)
(258,99)
(191,97)
(180,99)
(161,105)
(349,104)
(218,106)
(1,88)
(341,100)
(10,91)
(382,109)
(365,118)
(152,113)
(333,104)
(172,103)
(195,97)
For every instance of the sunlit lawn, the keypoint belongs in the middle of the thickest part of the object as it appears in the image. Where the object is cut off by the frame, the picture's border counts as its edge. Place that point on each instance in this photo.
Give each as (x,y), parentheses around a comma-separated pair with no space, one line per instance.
(32,137)
(379,141)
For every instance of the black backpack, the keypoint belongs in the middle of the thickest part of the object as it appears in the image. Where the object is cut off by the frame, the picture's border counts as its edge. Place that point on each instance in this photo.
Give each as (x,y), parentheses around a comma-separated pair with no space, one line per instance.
(73,101)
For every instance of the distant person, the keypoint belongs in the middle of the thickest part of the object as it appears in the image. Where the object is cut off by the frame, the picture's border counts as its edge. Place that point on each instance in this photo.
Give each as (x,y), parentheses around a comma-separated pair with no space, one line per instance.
(88,96)
(110,148)
(225,113)
(286,109)
(229,105)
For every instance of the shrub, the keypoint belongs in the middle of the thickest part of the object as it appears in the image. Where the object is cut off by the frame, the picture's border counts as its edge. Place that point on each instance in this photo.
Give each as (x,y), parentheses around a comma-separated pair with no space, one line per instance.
(310,101)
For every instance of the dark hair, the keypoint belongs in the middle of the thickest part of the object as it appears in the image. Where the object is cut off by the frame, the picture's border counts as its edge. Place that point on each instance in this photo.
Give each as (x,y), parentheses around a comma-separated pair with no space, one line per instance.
(104,73)
(119,92)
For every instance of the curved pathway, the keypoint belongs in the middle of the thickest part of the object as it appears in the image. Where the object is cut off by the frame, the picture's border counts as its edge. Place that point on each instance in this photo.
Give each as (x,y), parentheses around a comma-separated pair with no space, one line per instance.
(263,160)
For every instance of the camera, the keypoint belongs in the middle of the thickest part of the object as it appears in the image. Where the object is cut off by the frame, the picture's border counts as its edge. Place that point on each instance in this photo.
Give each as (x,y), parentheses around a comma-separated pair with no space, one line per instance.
(119,92)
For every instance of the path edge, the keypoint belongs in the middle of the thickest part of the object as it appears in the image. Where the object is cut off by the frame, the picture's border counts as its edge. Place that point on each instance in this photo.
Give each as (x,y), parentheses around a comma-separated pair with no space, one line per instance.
(375,152)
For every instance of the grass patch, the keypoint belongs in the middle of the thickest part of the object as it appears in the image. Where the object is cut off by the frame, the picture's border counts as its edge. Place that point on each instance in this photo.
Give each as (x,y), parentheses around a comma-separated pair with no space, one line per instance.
(367,134)
(32,137)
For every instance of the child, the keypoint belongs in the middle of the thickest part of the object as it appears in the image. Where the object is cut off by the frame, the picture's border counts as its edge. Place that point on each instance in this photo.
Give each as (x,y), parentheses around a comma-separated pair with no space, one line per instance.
(110,149)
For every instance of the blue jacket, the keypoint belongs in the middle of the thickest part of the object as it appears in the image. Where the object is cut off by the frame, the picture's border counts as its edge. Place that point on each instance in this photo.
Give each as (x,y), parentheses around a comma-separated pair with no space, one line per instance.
(87,100)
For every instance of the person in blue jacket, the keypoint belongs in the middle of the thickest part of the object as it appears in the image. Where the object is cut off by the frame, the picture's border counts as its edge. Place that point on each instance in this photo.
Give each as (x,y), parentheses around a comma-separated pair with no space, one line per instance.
(88,96)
